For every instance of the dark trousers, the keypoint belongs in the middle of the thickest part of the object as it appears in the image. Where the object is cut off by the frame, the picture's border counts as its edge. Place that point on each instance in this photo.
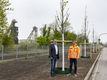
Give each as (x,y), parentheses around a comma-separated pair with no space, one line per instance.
(75,65)
(53,63)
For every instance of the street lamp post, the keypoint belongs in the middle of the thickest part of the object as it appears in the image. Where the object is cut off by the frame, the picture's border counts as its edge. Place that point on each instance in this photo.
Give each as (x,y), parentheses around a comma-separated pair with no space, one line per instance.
(100,40)
(99,44)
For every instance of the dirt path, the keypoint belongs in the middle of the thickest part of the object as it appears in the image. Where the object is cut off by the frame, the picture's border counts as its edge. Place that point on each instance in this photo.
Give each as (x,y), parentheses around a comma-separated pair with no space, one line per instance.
(39,69)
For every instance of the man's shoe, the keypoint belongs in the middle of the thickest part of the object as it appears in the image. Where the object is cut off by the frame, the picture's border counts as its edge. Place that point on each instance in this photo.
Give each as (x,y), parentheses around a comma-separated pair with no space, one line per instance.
(75,75)
(69,74)
(52,75)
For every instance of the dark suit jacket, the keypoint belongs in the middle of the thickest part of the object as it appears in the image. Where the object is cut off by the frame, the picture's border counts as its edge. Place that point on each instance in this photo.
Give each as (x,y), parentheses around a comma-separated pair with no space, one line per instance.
(52,51)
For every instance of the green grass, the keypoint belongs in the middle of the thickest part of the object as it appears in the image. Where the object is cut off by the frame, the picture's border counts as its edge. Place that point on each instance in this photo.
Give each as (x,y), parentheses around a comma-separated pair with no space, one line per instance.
(85,57)
(9,60)
(58,70)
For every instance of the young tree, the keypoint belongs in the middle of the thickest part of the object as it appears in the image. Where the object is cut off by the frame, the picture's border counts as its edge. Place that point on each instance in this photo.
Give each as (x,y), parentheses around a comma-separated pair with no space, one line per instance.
(7,41)
(44,30)
(45,38)
(4,7)
(56,34)
(62,21)
(41,41)
(70,35)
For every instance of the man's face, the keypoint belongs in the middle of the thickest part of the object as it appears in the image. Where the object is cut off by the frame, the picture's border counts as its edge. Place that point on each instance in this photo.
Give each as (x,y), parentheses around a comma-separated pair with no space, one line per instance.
(73,42)
(54,41)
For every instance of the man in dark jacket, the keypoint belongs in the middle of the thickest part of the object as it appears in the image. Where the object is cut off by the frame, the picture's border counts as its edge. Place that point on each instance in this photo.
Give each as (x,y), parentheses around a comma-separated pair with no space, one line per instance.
(53,55)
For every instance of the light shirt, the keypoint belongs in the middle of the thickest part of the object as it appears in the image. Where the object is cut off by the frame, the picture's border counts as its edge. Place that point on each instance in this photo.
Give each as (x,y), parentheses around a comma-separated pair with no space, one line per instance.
(56,48)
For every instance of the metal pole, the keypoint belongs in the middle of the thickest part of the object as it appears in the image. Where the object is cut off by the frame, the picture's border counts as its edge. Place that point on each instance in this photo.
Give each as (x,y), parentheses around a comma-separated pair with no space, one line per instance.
(99,44)
(93,47)
(85,29)
(90,51)
(56,64)
(16,52)
(80,50)
(96,48)
(27,49)
(99,40)
(2,52)
(42,50)
(85,48)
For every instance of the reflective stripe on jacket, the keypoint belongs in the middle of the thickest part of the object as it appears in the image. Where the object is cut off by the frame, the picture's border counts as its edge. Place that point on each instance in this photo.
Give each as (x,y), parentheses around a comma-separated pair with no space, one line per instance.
(74,52)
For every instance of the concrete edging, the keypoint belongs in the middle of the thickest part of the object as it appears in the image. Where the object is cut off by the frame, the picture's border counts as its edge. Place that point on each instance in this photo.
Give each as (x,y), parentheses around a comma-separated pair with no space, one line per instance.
(92,68)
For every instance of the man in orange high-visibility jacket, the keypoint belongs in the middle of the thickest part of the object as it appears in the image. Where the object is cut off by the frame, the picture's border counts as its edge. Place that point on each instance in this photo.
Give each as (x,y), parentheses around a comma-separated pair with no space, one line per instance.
(73,55)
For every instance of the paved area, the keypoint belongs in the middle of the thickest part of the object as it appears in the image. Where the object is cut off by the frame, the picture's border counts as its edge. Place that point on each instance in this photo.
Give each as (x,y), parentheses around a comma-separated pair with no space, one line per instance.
(101,73)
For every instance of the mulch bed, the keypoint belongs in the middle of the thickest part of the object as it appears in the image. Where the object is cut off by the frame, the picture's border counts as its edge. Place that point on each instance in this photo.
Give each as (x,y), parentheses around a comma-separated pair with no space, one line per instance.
(39,69)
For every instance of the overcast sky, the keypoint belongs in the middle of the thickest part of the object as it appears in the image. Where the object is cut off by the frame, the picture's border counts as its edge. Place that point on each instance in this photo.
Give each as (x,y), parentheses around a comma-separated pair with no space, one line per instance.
(31,13)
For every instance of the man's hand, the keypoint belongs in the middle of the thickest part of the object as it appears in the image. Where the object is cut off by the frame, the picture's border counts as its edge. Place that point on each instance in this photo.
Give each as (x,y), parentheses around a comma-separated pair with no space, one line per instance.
(68,59)
(51,58)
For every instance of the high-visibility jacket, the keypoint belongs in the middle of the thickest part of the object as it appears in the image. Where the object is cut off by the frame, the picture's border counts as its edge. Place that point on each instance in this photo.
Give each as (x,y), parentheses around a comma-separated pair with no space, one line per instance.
(74,52)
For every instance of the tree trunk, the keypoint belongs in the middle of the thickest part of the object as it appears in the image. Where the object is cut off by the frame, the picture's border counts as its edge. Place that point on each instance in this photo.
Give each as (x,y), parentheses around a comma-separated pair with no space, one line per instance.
(63,52)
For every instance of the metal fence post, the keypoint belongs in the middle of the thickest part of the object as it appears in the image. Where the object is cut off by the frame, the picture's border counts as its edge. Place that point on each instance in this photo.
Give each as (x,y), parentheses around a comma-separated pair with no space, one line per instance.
(95,48)
(27,49)
(2,52)
(42,49)
(91,47)
(35,50)
(81,50)
(16,52)
(85,48)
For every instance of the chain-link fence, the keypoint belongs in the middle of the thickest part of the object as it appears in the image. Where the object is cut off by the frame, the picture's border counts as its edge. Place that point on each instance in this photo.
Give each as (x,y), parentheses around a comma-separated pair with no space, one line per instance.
(86,50)
(12,52)
(17,51)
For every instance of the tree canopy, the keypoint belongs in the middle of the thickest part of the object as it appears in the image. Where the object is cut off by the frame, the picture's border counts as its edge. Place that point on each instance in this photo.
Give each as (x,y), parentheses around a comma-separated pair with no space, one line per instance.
(4,8)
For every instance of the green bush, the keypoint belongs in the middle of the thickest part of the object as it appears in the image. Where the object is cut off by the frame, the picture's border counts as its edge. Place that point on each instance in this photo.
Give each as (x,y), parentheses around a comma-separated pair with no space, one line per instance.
(43,41)
(7,41)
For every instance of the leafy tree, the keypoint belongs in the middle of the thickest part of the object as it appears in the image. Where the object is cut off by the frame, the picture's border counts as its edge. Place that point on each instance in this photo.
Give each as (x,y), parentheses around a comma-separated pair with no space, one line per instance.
(45,38)
(56,33)
(44,30)
(48,35)
(42,41)
(70,36)
(81,37)
(4,7)
(61,21)
(24,45)
(6,41)
(48,32)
